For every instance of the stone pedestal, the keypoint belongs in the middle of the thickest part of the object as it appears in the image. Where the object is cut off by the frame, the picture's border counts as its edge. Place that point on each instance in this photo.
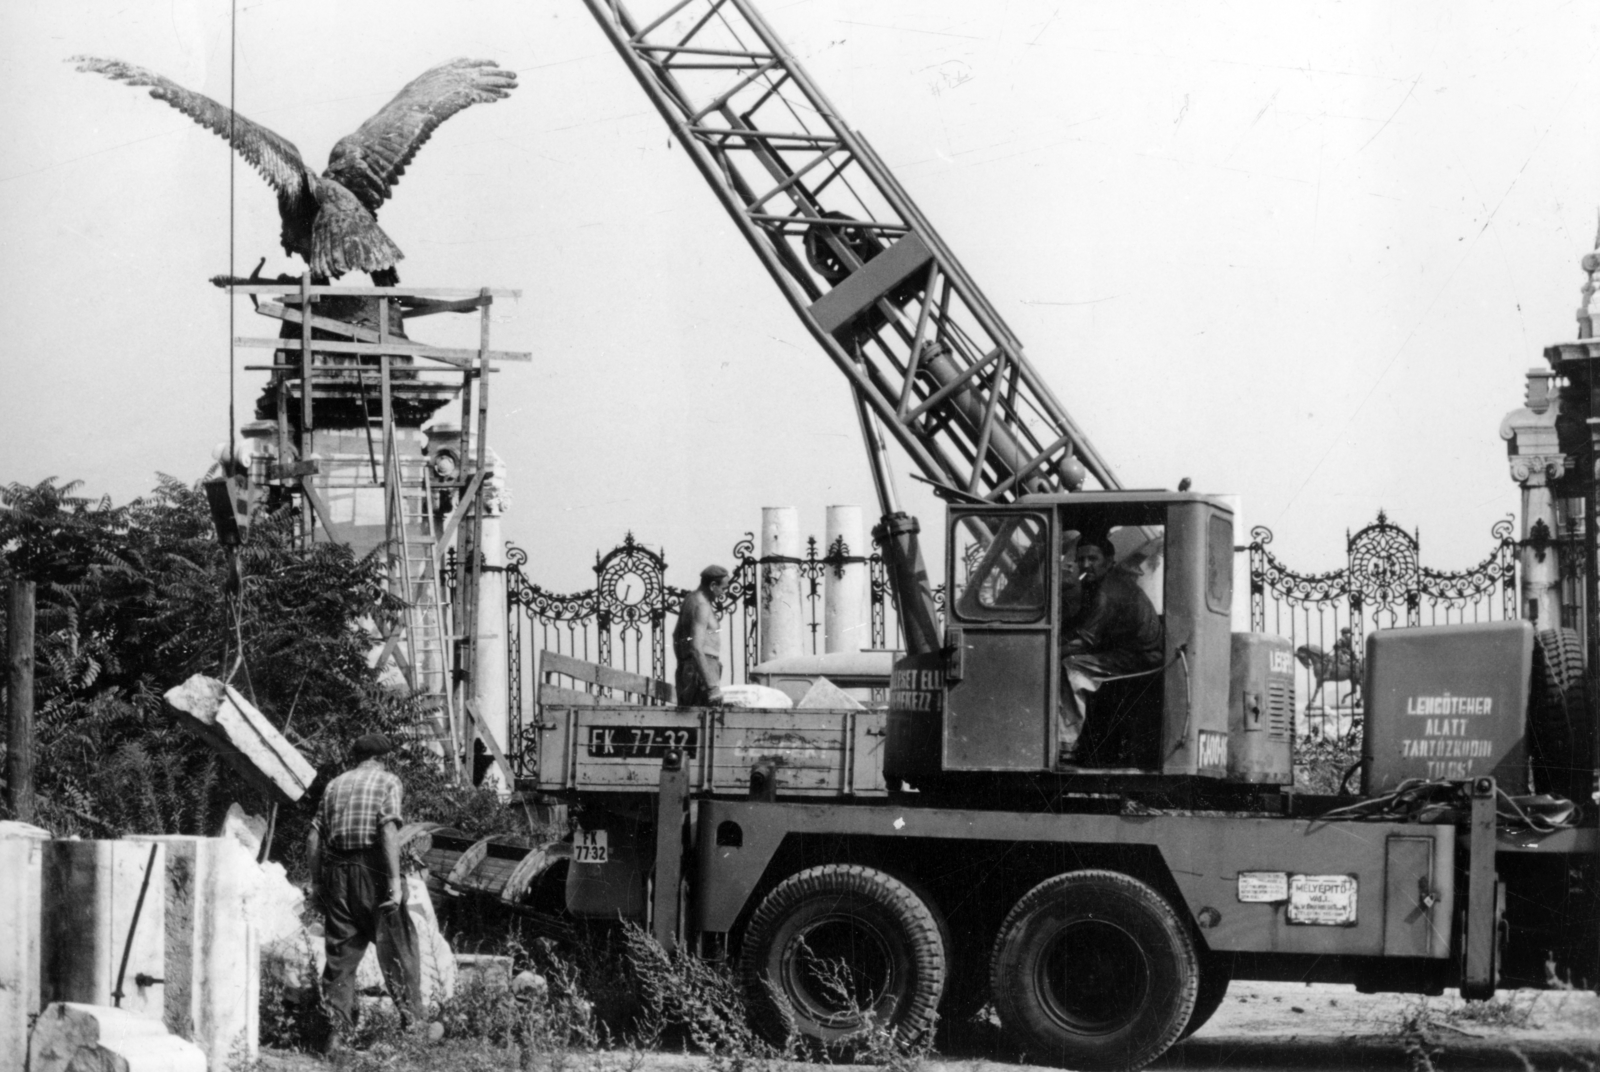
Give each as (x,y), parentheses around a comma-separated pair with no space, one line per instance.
(778,603)
(21,847)
(212,946)
(89,891)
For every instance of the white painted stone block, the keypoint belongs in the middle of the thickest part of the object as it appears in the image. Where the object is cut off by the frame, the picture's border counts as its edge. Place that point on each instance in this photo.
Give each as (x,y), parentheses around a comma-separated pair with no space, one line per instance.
(242,736)
(73,1037)
(19,936)
(89,891)
(212,946)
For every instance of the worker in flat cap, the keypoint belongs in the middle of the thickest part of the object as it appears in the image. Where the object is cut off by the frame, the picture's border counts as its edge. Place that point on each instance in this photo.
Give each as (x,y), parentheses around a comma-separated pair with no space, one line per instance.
(697,642)
(354,851)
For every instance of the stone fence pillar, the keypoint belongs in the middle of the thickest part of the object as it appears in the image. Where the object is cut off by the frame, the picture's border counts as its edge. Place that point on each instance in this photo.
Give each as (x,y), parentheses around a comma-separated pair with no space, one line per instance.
(1536,462)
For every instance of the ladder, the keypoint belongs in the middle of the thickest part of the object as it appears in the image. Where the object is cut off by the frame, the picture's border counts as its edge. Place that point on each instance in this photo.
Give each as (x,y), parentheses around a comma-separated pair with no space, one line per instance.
(925,351)
(418,569)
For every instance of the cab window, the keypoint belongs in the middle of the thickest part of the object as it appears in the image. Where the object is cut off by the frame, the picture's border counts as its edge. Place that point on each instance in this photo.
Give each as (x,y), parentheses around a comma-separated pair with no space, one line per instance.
(999,567)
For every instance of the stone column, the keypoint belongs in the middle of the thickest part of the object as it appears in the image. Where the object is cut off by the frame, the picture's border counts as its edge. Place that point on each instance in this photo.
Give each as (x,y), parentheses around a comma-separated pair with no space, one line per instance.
(844,586)
(1536,462)
(779,607)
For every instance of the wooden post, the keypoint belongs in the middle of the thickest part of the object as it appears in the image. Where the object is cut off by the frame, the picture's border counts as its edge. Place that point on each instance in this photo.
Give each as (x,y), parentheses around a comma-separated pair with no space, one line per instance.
(19,696)
(307,445)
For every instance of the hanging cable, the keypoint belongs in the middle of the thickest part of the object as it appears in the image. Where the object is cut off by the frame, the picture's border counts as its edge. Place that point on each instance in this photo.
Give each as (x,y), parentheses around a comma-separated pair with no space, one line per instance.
(233,67)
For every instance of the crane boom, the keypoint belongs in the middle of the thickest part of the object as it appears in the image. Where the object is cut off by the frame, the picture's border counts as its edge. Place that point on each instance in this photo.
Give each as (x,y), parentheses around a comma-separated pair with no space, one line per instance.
(926,352)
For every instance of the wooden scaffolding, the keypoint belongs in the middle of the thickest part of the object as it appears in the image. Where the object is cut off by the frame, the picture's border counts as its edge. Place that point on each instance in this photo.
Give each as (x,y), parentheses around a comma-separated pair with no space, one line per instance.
(344,368)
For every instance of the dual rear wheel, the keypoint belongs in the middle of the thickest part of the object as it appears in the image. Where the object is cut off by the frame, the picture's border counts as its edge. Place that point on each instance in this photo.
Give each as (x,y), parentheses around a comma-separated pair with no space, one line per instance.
(1091,969)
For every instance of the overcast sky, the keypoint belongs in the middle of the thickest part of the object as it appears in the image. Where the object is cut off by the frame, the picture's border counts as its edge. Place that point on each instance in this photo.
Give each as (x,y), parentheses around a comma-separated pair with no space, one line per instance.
(1302,253)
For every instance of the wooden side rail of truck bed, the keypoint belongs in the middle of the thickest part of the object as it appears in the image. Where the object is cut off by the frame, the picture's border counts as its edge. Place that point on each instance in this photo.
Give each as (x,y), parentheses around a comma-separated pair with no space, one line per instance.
(611,733)
(618,747)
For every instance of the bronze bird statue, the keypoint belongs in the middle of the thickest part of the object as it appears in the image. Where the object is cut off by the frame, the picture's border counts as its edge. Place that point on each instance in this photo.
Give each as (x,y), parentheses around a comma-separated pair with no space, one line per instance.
(330,219)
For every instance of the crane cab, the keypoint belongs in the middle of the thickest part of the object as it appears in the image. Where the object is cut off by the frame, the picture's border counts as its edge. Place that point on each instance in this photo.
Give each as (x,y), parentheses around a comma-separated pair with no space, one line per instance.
(1016,609)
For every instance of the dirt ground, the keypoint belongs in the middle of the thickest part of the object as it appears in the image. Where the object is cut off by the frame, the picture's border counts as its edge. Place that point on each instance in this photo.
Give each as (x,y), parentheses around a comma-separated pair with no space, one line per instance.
(1264,1027)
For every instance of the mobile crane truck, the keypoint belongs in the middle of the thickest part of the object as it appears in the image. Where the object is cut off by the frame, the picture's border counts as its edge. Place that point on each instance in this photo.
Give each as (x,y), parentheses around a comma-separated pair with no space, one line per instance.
(942,854)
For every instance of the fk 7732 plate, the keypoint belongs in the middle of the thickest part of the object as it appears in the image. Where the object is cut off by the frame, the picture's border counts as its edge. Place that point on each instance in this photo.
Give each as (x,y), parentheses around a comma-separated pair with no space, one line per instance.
(641,742)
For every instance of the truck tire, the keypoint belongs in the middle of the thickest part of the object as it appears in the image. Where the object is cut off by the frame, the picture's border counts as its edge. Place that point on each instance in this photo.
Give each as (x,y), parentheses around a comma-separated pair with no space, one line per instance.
(1560,732)
(1216,972)
(842,924)
(1094,970)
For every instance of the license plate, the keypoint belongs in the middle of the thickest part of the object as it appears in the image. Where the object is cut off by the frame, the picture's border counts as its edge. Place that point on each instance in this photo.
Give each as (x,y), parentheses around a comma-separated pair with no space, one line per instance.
(590,847)
(1323,900)
(641,742)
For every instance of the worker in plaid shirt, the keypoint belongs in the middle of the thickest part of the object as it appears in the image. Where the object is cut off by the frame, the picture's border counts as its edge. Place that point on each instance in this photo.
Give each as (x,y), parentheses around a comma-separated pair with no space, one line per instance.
(354,851)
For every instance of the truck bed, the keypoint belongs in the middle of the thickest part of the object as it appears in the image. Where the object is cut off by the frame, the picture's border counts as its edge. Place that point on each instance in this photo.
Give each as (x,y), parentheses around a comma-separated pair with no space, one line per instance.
(619,747)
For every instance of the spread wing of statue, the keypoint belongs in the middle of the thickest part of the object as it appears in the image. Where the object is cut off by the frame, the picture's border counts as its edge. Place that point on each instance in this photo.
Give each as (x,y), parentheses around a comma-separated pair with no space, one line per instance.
(330,219)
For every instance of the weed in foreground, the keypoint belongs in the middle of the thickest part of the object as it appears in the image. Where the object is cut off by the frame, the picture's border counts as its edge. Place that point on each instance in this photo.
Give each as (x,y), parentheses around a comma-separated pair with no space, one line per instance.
(1496,1012)
(1417,1037)
(876,1041)
(696,1003)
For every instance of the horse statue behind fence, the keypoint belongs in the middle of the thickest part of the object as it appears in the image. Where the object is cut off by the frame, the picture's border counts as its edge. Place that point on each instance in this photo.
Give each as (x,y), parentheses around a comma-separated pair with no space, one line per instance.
(1341,664)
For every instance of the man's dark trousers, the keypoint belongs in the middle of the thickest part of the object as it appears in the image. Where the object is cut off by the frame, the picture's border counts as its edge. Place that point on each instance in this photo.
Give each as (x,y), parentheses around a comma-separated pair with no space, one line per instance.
(354,885)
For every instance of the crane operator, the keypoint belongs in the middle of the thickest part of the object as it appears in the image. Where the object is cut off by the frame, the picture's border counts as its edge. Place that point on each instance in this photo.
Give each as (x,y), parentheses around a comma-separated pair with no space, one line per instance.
(1110,629)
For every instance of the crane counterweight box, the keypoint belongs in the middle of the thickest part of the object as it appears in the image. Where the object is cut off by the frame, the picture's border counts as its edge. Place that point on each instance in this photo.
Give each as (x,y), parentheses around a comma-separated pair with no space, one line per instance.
(1447,702)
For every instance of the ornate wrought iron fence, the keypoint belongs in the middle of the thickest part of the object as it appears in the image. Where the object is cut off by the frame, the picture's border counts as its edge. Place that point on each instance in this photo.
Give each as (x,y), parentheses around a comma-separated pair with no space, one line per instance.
(1382,586)
(624,620)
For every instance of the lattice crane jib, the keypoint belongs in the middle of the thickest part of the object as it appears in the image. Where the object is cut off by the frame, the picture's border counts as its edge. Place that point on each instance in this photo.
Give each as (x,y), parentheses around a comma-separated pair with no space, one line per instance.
(927,354)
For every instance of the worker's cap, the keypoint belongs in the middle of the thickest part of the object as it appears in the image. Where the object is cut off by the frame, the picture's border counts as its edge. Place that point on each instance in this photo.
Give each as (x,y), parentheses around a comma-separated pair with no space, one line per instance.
(714,573)
(369,745)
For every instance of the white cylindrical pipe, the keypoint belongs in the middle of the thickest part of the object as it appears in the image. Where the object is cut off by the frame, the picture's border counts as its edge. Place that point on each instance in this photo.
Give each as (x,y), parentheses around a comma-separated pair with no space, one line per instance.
(844,585)
(778,608)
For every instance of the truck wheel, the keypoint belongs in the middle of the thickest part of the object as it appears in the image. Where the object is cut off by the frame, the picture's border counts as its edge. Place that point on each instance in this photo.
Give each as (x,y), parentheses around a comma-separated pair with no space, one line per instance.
(1094,970)
(838,942)
(1560,735)
(1216,972)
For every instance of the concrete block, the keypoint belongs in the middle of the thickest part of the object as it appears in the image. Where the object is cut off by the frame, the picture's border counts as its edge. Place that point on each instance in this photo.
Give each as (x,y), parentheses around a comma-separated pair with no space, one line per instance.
(88,894)
(212,946)
(72,1037)
(19,936)
(242,736)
